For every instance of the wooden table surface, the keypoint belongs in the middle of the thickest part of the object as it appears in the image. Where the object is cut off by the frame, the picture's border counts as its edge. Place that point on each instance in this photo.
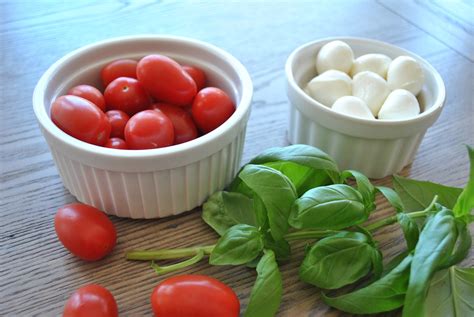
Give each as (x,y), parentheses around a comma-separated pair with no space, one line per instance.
(37,274)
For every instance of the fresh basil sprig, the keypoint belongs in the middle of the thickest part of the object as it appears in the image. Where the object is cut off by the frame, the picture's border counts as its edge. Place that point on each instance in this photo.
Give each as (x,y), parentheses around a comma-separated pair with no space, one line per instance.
(276,192)
(385,294)
(465,203)
(225,209)
(328,207)
(297,193)
(239,244)
(451,293)
(434,247)
(266,293)
(417,195)
(340,260)
(301,154)
(364,186)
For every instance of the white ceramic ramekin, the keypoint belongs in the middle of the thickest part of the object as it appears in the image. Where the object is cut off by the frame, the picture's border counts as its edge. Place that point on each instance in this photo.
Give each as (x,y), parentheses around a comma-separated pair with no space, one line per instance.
(375,147)
(146,183)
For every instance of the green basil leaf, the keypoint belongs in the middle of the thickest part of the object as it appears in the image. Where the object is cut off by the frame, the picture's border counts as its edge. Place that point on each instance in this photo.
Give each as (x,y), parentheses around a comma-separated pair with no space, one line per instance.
(410,230)
(275,191)
(417,195)
(434,248)
(240,244)
(463,245)
(385,294)
(451,293)
(224,209)
(266,293)
(364,186)
(392,197)
(465,202)
(281,248)
(301,154)
(328,207)
(303,178)
(339,260)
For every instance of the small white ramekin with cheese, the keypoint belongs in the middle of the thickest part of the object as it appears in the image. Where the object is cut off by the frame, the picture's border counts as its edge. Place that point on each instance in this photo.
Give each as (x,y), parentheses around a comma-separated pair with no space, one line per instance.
(377,137)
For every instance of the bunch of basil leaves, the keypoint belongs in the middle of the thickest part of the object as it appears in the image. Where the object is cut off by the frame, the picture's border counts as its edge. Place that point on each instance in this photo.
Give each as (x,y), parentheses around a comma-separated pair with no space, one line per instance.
(298,192)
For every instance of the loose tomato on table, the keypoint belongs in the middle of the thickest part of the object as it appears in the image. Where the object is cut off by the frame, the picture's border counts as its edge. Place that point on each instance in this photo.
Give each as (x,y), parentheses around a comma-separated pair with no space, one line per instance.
(211,107)
(118,119)
(81,119)
(91,300)
(194,296)
(166,80)
(197,75)
(90,93)
(149,129)
(85,231)
(184,127)
(118,68)
(126,94)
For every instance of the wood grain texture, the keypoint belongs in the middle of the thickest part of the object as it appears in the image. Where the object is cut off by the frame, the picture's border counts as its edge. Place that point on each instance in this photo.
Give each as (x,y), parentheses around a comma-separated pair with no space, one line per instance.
(37,274)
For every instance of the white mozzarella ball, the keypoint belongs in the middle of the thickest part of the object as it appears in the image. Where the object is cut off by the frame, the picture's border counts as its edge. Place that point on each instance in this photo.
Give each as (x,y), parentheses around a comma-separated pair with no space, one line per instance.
(400,104)
(371,88)
(334,55)
(377,63)
(405,72)
(352,106)
(329,86)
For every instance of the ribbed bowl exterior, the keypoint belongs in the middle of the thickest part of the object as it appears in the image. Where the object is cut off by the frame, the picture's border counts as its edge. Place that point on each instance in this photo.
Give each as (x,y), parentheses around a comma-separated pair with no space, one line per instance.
(376,158)
(150,194)
(151,183)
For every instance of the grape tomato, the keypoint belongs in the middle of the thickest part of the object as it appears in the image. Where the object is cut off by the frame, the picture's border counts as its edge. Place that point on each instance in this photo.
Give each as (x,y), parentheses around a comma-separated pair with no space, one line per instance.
(183,124)
(166,80)
(119,68)
(90,93)
(85,231)
(197,75)
(149,129)
(81,119)
(126,94)
(211,107)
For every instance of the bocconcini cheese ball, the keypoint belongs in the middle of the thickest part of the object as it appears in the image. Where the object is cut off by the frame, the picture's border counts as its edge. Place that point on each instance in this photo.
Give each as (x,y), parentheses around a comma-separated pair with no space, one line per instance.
(399,105)
(329,86)
(371,88)
(406,73)
(352,106)
(377,63)
(335,55)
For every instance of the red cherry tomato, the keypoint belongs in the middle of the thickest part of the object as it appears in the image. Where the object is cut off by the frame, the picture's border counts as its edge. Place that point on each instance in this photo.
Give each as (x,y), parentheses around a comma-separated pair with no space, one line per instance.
(211,107)
(194,296)
(184,127)
(149,129)
(85,231)
(116,143)
(126,94)
(118,68)
(197,74)
(118,119)
(91,300)
(90,93)
(81,119)
(166,80)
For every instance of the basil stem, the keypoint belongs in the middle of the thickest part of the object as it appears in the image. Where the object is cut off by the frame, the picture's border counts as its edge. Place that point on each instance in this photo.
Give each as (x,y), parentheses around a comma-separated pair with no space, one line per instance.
(177,266)
(167,254)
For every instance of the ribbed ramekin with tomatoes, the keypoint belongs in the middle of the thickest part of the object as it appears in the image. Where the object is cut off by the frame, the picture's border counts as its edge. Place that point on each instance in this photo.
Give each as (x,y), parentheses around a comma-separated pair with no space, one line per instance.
(185,133)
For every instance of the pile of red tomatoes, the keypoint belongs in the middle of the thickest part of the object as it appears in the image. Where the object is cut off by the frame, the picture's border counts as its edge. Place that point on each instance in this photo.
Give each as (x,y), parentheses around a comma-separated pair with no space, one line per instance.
(152,103)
